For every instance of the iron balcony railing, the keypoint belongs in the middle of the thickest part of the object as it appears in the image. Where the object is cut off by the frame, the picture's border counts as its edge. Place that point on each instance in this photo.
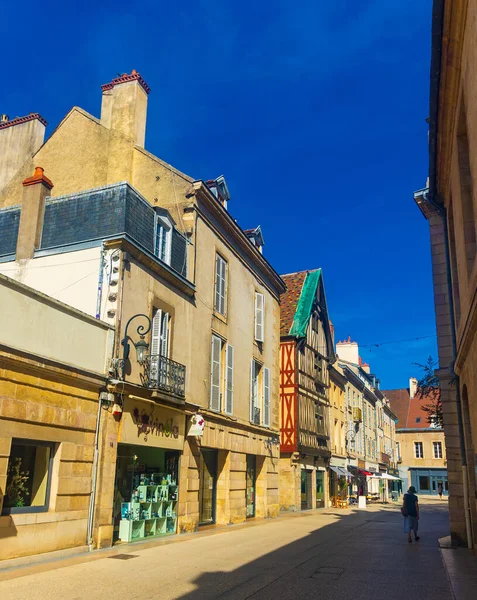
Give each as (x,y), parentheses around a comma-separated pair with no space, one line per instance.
(164,374)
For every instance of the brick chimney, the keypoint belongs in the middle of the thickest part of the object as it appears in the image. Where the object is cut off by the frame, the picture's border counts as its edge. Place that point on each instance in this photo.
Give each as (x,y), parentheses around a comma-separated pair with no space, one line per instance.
(124,106)
(35,190)
(20,138)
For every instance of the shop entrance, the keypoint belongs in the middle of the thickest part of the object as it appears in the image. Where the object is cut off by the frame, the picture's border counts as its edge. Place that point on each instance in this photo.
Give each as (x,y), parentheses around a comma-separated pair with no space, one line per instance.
(320,489)
(146,492)
(250,485)
(306,483)
(207,486)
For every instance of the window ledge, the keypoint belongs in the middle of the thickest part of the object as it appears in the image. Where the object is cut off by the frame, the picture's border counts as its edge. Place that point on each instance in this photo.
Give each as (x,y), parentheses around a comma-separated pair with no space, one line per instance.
(220,316)
(20,519)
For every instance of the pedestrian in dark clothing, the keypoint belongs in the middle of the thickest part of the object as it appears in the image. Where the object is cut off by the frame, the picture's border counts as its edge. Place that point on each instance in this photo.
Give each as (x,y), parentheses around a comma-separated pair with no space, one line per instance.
(410,505)
(440,490)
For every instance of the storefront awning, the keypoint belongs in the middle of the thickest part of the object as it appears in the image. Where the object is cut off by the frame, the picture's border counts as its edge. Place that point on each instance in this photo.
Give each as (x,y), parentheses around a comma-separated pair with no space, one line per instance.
(388,476)
(341,471)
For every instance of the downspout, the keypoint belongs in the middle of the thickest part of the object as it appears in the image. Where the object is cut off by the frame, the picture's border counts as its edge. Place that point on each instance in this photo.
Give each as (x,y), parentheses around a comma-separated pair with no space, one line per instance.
(465,483)
(92,502)
(100,283)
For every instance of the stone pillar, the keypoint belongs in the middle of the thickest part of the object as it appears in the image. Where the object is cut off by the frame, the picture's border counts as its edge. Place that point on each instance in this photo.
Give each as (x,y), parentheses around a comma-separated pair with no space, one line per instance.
(261,488)
(444,319)
(188,502)
(238,467)
(222,510)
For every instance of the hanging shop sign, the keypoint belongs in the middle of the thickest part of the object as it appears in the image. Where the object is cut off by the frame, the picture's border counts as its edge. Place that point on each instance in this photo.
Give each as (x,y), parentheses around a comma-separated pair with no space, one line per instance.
(197,424)
(147,424)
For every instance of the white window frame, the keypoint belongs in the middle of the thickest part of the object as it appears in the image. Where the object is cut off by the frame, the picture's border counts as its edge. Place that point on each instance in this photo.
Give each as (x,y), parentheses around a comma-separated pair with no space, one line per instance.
(421,452)
(437,445)
(259,317)
(163,231)
(220,285)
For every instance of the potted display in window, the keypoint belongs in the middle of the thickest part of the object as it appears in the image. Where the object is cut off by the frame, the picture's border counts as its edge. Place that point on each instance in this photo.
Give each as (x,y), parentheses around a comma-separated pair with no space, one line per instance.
(17,490)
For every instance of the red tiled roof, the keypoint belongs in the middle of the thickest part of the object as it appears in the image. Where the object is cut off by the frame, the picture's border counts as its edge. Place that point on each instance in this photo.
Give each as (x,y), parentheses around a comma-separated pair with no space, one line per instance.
(409,411)
(289,300)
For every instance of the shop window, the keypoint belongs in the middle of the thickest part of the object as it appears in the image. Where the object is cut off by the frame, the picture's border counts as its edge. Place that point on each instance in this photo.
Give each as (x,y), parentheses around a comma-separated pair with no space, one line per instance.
(28,477)
(424,483)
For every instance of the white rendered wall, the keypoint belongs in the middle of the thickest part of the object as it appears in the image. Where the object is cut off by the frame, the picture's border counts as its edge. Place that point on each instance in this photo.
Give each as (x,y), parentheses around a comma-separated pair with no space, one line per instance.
(70,277)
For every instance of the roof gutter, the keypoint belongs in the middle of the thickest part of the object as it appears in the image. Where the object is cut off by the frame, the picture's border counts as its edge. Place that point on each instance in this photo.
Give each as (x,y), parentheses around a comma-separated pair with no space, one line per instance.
(435,76)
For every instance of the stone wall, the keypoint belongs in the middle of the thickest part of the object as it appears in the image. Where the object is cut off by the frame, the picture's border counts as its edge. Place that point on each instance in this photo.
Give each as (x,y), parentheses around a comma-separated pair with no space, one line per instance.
(43,405)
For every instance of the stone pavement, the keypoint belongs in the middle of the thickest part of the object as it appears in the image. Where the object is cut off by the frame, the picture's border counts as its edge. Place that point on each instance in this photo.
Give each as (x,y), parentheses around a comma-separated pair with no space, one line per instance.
(343,554)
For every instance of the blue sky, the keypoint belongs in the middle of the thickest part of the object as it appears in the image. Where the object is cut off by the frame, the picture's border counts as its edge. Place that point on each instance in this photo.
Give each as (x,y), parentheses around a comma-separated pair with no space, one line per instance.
(314,112)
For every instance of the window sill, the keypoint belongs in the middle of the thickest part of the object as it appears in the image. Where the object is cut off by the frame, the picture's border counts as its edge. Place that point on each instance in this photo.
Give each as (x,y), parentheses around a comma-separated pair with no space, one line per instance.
(38,518)
(220,317)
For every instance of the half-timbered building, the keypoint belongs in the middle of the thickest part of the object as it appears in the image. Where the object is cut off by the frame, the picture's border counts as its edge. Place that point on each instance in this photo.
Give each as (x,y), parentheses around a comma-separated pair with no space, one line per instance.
(306,352)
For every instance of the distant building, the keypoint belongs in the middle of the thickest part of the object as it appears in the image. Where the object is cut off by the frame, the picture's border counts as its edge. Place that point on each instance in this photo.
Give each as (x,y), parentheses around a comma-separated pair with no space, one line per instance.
(421,445)
(306,353)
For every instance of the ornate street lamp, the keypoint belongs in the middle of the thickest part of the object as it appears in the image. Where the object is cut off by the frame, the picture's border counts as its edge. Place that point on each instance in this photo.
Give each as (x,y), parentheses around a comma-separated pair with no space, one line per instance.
(141,345)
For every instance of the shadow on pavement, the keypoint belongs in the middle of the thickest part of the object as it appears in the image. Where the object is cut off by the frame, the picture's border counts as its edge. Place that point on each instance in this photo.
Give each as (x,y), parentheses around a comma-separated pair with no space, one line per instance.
(361,555)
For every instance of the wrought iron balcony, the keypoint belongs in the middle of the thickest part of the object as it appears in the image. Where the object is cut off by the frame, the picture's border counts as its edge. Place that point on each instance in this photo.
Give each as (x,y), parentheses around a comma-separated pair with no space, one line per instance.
(164,374)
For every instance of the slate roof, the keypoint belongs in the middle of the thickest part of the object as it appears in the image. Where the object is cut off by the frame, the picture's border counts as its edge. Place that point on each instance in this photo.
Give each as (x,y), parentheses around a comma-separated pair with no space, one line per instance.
(409,411)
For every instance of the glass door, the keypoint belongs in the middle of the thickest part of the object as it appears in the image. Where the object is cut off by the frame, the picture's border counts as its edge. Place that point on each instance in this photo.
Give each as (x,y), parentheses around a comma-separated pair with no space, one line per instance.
(320,489)
(207,486)
(250,489)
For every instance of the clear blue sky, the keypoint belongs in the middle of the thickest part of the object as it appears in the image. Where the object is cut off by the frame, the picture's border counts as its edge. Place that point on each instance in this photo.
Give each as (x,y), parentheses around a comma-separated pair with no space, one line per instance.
(314,112)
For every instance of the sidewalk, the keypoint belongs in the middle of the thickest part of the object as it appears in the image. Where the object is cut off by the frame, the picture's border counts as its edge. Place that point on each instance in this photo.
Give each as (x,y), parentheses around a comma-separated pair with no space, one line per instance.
(461,567)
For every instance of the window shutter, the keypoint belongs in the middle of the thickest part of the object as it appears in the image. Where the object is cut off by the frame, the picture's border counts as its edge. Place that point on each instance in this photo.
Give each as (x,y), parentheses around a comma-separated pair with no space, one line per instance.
(179,252)
(266,397)
(229,381)
(223,277)
(155,343)
(217,283)
(259,316)
(164,344)
(252,399)
(215,374)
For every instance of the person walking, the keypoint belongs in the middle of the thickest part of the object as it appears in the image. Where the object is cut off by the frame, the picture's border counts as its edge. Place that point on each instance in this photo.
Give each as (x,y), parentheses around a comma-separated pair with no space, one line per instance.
(440,490)
(410,512)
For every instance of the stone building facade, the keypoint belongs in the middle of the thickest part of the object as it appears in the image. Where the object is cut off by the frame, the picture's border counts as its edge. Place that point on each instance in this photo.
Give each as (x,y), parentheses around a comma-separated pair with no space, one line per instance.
(157,255)
(449,204)
(50,398)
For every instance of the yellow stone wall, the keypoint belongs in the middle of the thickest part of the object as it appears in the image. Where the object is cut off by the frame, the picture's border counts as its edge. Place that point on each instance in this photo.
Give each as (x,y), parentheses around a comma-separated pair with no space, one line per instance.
(41,405)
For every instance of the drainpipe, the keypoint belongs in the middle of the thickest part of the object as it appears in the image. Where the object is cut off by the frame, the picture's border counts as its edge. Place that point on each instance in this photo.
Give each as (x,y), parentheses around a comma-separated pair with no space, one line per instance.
(92,501)
(468,528)
(100,283)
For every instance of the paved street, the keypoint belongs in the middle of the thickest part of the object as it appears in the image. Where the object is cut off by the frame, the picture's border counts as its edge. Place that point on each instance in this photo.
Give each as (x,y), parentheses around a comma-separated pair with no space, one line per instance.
(330,554)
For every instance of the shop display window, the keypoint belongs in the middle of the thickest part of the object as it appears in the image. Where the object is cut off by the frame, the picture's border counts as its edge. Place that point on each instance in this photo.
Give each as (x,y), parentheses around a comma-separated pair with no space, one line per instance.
(28,477)
(146,494)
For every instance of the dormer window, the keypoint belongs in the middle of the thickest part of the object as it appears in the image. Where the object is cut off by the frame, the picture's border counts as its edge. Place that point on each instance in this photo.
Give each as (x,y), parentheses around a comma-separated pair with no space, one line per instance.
(220,190)
(162,238)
